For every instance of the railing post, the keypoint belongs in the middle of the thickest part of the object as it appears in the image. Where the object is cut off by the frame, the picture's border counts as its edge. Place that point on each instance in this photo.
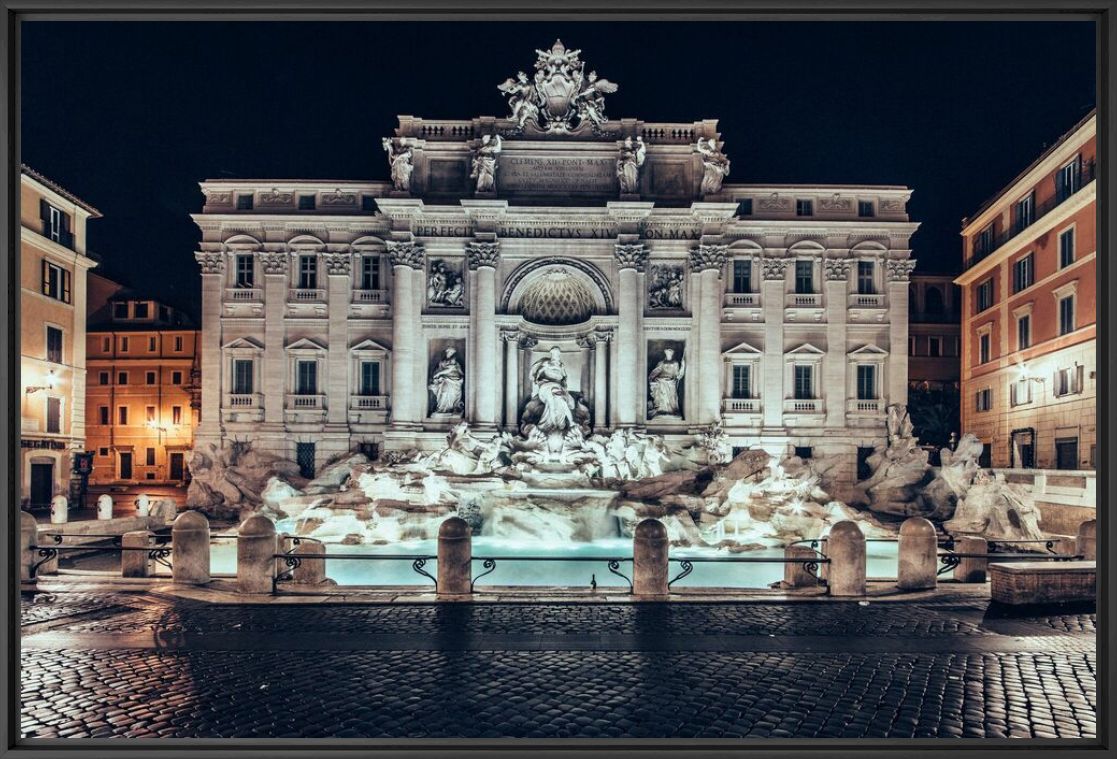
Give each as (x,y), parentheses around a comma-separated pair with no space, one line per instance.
(28,534)
(190,549)
(845,547)
(972,569)
(136,563)
(919,555)
(1086,543)
(455,558)
(59,510)
(649,559)
(104,506)
(795,574)
(257,545)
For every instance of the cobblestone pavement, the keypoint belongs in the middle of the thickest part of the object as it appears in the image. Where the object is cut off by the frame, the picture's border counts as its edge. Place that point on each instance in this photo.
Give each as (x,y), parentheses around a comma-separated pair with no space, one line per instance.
(135,666)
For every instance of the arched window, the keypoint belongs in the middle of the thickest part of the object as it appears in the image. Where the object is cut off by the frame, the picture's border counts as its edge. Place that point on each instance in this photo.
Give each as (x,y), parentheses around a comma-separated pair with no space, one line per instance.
(933,298)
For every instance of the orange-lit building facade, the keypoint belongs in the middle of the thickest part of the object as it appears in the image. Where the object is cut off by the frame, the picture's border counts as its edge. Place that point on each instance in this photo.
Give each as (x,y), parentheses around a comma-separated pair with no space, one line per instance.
(142,401)
(1029,367)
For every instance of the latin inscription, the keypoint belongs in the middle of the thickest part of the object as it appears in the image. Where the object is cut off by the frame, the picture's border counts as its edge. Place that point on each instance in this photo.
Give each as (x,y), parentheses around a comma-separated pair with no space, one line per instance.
(557,175)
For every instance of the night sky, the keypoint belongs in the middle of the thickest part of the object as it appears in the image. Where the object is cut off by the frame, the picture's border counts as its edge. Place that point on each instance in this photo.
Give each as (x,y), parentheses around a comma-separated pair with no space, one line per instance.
(130,116)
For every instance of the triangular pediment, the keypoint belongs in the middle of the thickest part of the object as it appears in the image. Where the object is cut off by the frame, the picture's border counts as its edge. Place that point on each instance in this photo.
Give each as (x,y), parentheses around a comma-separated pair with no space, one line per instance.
(370,345)
(866,351)
(806,349)
(306,344)
(743,349)
(244,343)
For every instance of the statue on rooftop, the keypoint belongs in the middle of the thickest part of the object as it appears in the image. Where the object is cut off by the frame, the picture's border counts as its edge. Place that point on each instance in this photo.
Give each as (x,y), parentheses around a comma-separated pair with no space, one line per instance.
(715,165)
(399,161)
(484,163)
(629,163)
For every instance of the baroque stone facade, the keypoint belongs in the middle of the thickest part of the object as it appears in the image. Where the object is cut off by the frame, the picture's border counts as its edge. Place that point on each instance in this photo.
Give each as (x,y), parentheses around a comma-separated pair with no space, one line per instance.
(780,311)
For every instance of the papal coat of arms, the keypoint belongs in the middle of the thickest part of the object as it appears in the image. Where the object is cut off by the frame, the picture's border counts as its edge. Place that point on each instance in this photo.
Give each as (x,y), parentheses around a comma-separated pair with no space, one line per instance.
(562,97)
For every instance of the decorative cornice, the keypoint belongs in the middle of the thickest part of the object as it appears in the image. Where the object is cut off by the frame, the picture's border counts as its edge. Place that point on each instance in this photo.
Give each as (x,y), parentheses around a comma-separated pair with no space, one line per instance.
(338,263)
(211,263)
(706,257)
(405,253)
(631,255)
(837,268)
(900,270)
(482,254)
(274,262)
(773,268)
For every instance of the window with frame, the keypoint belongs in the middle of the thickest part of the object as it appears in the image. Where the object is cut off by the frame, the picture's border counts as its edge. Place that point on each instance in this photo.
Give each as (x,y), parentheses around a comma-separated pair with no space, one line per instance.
(149,378)
(122,415)
(1067,179)
(245,271)
(106,344)
(308,272)
(176,414)
(984,400)
(176,378)
(149,414)
(1023,273)
(983,349)
(934,347)
(912,346)
(865,209)
(242,376)
(149,457)
(120,309)
(306,377)
(178,344)
(54,415)
(1024,332)
(804,277)
(54,345)
(56,282)
(370,378)
(122,378)
(866,382)
(103,378)
(744,207)
(123,345)
(140,310)
(1020,392)
(1068,381)
(1024,213)
(102,451)
(865,283)
(803,385)
(103,415)
(1066,248)
(742,275)
(804,208)
(741,381)
(984,295)
(983,241)
(370,272)
(56,224)
(151,344)
(1066,315)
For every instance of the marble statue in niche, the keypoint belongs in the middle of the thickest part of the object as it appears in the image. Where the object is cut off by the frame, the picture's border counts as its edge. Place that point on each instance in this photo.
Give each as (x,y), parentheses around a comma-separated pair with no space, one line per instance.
(715,165)
(552,408)
(663,385)
(399,161)
(666,288)
(484,163)
(629,163)
(444,285)
(446,384)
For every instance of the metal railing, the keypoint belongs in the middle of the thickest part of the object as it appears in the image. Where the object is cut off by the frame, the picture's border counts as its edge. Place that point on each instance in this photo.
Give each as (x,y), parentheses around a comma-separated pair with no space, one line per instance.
(488,563)
(158,554)
(294,560)
(810,564)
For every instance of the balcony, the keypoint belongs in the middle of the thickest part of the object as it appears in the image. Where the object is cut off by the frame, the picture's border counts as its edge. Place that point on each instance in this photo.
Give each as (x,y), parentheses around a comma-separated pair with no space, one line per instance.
(865,406)
(300,402)
(369,403)
(866,300)
(244,295)
(242,407)
(742,300)
(1085,177)
(740,405)
(804,300)
(803,406)
(370,296)
(241,400)
(306,295)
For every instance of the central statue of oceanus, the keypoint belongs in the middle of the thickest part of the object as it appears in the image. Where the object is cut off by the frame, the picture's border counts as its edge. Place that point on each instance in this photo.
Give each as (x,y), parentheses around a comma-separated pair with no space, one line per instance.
(552,411)
(562,97)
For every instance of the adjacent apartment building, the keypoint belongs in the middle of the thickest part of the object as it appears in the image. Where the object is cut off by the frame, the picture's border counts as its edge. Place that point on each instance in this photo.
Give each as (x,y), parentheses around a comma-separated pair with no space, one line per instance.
(144,386)
(53,266)
(934,357)
(1029,311)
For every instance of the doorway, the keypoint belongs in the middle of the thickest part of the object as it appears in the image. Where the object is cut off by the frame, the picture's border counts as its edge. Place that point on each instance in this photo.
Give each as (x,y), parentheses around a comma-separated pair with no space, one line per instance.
(42,485)
(1066,453)
(125,465)
(177,466)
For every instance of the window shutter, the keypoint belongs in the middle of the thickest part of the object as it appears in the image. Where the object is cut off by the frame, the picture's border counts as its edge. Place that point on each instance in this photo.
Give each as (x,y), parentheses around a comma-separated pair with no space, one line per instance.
(46,277)
(65,286)
(1078,378)
(44,212)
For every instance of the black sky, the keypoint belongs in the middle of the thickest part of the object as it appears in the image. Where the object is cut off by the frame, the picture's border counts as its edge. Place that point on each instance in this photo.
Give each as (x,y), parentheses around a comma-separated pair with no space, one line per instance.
(131,115)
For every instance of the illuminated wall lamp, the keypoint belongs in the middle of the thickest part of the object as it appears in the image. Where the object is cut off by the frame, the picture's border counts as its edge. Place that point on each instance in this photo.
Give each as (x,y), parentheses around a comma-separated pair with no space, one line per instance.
(48,386)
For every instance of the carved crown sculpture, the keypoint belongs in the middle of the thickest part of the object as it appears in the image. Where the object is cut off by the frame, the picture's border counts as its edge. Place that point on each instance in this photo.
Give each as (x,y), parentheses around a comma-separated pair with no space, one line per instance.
(631,256)
(405,253)
(706,257)
(211,263)
(561,97)
(482,254)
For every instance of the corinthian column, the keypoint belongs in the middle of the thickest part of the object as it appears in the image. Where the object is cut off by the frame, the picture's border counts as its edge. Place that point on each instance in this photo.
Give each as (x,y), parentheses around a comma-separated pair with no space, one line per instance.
(213,274)
(631,259)
(772,299)
(707,263)
(406,257)
(600,379)
(483,258)
(511,338)
(273,374)
(899,274)
(337,370)
(834,370)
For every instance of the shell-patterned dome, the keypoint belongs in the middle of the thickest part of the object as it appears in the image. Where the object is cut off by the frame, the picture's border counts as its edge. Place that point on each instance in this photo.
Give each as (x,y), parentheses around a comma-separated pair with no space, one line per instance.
(556,297)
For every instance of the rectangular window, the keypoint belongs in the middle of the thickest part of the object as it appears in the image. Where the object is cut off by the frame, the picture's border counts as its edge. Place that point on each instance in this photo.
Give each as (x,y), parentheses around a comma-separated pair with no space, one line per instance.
(103,378)
(984,295)
(56,282)
(934,347)
(244,202)
(123,345)
(1066,453)
(106,344)
(741,386)
(370,378)
(744,207)
(984,400)
(306,377)
(306,202)
(122,378)
(151,345)
(1067,180)
(102,451)
(103,414)
(149,378)
(245,271)
(912,346)
(176,414)
(1023,332)
(1023,273)
(54,345)
(176,378)
(1066,248)
(139,310)
(120,310)
(865,209)
(370,272)
(865,284)
(804,208)
(1020,392)
(1068,381)
(149,458)
(1025,211)
(122,415)
(54,414)
(804,381)
(866,382)
(242,376)
(742,275)
(804,277)
(308,272)
(983,343)
(178,344)
(149,413)
(1066,315)
(983,242)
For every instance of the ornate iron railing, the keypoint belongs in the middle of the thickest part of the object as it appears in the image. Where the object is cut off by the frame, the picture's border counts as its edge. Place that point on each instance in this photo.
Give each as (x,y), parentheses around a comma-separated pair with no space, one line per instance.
(810,563)
(294,560)
(158,554)
(488,563)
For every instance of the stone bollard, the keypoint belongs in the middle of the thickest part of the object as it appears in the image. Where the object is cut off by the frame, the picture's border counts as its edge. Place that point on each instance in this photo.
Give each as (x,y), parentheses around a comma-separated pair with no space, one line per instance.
(455,557)
(845,546)
(28,534)
(143,505)
(136,563)
(1086,544)
(971,570)
(919,555)
(795,575)
(649,559)
(190,549)
(257,545)
(59,510)
(104,506)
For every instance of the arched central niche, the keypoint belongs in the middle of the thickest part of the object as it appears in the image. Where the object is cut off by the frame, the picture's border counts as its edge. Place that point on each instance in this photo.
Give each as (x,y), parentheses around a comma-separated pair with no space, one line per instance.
(557,292)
